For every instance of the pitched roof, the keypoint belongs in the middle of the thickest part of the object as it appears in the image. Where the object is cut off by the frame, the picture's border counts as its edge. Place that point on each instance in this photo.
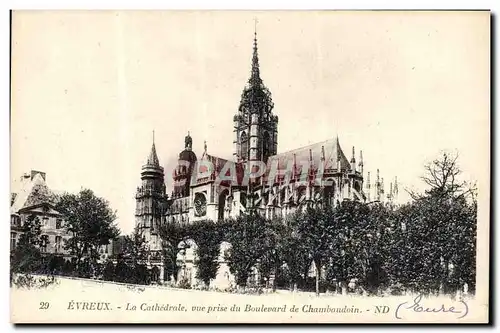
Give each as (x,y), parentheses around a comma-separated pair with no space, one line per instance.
(33,192)
(218,164)
(330,149)
(332,153)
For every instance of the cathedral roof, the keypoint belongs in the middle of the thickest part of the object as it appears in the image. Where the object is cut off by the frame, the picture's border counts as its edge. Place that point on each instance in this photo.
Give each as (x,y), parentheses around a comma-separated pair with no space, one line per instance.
(218,164)
(330,148)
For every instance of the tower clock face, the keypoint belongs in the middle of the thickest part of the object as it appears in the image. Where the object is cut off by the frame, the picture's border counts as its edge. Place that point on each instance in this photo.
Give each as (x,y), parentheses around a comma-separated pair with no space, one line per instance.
(200,204)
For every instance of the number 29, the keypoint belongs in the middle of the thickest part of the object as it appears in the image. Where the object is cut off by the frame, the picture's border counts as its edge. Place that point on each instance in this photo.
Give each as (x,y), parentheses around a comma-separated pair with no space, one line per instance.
(44,305)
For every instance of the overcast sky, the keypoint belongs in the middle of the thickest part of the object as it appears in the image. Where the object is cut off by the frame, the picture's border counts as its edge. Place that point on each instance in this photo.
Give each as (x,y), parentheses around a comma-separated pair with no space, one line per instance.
(88,89)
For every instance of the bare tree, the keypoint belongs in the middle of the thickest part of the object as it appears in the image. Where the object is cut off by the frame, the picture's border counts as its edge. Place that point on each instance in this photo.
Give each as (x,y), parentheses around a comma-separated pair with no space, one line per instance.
(442,175)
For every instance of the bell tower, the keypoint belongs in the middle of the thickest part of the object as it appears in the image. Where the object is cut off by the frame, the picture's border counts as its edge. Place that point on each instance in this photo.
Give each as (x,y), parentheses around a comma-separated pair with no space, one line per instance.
(255,131)
(151,198)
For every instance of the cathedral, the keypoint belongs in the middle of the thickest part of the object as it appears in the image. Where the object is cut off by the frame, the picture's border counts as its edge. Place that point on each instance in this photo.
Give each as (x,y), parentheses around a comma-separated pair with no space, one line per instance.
(258,178)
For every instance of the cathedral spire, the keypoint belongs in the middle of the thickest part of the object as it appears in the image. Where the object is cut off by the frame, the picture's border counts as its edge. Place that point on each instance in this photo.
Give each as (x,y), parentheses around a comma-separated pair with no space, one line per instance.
(255,79)
(153,157)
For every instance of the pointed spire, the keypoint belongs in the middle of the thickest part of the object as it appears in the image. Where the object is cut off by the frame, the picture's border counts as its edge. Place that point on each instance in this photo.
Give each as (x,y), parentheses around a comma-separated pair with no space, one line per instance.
(361,164)
(153,157)
(255,77)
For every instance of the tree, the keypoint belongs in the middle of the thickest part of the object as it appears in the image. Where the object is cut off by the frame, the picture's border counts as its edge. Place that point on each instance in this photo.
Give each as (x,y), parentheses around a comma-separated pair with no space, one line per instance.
(248,235)
(171,235)
(208,236)
(135,252)
(293,252)
(135,248)
(442,176)
(316,227)
(26,257)
(440,235)
(465,237)
(123,272)
(89,221)
(272,257)
(109,271)
(344,243)
(371,234)
(53,264)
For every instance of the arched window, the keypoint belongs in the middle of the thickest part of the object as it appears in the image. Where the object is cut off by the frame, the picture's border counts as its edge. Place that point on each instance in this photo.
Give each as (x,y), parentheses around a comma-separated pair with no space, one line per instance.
(329,192)
(244,146)
(222,204)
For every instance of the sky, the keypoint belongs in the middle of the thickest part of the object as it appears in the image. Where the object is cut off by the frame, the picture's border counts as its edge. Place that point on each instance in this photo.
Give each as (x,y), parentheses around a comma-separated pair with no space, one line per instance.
(89,88)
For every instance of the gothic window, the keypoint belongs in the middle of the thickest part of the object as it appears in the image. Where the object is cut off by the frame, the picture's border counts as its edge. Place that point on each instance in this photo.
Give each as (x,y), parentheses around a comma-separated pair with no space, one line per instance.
(58,223)
(329,192)
(244,145)
(222,204)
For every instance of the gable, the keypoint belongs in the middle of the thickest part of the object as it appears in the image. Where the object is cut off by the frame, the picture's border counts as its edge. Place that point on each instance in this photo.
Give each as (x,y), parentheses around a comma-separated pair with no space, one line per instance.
(42,209)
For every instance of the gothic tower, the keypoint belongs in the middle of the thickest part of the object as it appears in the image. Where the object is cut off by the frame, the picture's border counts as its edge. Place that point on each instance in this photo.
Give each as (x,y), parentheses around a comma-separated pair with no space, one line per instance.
(255,133)
(184,169)
(150,198)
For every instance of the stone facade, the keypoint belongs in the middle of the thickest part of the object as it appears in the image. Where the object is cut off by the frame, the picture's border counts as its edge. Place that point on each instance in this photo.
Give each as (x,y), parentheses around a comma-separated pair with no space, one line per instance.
(257,177)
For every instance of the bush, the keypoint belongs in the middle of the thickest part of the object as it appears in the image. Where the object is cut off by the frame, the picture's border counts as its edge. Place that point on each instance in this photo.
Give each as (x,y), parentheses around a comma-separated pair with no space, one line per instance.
(108,273)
